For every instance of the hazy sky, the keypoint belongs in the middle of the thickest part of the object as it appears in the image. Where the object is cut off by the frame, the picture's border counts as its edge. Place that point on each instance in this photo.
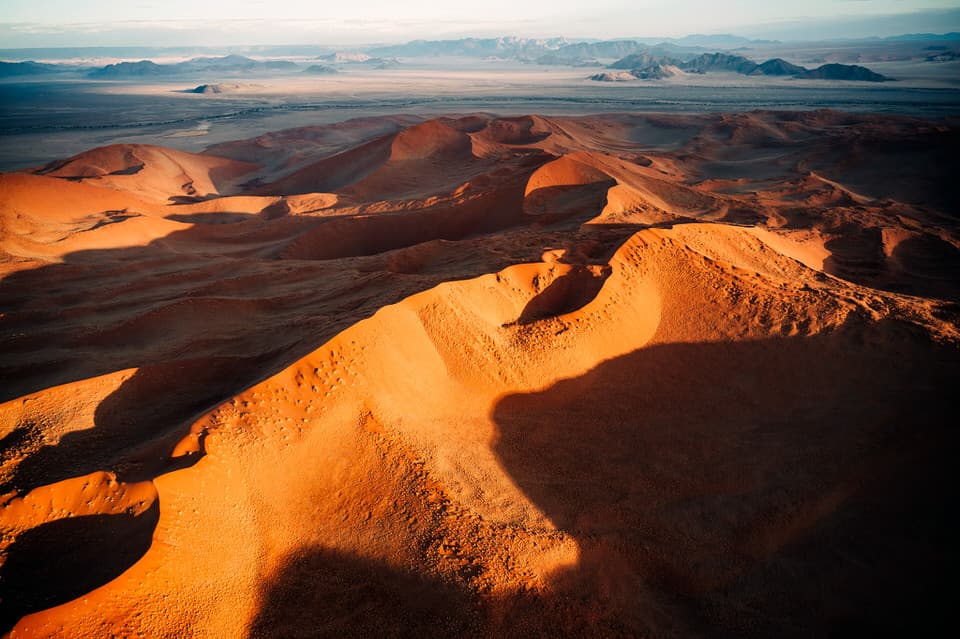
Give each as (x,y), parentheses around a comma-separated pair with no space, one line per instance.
(169,22)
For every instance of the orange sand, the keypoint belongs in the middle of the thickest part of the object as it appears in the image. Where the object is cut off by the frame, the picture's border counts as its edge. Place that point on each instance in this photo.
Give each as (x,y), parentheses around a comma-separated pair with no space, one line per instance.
(627,375)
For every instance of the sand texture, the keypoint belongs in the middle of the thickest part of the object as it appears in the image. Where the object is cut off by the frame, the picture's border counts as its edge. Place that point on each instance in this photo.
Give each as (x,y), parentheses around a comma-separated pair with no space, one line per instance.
(607,376)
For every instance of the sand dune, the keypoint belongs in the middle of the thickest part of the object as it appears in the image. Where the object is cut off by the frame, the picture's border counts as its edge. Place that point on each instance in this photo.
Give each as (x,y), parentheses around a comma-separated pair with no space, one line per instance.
(629,375)
(149,171)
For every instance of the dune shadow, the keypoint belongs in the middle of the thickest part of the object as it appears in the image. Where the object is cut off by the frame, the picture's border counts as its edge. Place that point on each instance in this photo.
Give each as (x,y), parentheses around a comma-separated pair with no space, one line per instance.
(59,561)
(923,265)
(135,428)
(567,202)
(211,218)
(857,255)
(325,593)
(928,266)
(786,487)
(565,294)
(360,236)
(130,170)
(188,199)
(321,592)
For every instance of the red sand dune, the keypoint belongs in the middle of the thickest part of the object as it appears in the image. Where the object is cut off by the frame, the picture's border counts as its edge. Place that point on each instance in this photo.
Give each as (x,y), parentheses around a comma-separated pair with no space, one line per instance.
(627,375)
(151,172)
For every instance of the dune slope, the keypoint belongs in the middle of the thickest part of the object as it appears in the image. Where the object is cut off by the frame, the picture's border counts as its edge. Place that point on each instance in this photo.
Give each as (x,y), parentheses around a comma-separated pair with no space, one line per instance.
(629,375)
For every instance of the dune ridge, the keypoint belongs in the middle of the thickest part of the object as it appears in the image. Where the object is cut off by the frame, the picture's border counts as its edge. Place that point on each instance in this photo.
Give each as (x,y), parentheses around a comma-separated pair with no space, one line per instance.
(625,375)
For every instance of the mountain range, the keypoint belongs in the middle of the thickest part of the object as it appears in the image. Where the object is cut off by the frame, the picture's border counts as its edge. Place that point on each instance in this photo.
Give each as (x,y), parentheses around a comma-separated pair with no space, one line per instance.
(647,66)
(645,58)
(227,64)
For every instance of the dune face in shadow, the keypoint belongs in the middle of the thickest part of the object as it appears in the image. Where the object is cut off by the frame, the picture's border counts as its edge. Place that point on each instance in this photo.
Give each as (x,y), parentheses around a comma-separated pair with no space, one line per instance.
(714,489)
(495,210)
(137,444)
(931,265)
(322,593)
(565,294)
(758,487)
(64,559)
(625,375)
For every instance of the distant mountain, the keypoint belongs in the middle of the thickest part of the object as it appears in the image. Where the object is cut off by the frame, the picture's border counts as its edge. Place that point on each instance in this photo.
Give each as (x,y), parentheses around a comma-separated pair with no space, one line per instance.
(605,49)
(613,76)
(340,57)
(684,52)
(141,69)
(653,71)
(232,61)
(720,62)
(540,51)
(718,41)
(843,72)
(649,66)
(943,56)
(16,69)
(384,63)
(916,37)
(320,69)
(208,89)
(704,41)
(641,60)
(505,47)
(559,60)
(629,53)
(279,65)
(778,66)
(225,64)
(357,58)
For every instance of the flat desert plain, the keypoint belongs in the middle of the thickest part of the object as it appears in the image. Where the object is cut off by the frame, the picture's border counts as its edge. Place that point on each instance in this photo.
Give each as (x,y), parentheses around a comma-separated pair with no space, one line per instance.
(625,375)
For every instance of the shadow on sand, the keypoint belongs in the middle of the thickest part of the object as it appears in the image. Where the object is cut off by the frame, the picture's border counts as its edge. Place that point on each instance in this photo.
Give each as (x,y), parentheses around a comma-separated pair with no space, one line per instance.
(790,487)
(64,559)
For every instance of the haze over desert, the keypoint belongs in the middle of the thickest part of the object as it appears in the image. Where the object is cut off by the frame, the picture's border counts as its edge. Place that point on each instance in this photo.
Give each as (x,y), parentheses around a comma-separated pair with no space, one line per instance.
(405,358)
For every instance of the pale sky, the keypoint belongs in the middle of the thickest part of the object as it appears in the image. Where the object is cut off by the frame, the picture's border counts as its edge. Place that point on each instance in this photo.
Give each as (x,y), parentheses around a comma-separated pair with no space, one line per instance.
(193,22)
